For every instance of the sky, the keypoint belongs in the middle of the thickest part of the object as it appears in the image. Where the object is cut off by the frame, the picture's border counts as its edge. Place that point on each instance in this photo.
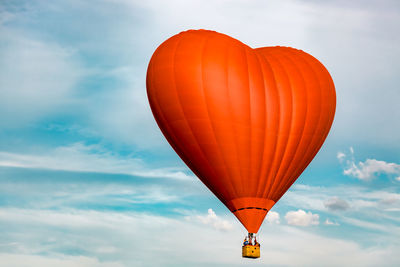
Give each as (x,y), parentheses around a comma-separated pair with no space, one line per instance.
(87,179)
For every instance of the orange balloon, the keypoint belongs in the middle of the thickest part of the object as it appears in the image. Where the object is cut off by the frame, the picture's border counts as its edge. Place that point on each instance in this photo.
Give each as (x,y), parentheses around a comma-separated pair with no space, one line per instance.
(246,121)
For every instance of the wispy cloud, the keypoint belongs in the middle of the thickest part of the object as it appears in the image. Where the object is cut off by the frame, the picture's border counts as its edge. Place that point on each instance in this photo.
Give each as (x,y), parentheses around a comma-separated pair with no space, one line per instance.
(88,158)
(368,225)
(341,197)
(37,78)
(55,191)
(60,260)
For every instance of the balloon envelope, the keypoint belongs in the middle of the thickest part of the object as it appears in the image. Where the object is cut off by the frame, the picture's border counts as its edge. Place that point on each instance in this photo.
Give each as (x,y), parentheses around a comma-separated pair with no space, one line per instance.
(246,121)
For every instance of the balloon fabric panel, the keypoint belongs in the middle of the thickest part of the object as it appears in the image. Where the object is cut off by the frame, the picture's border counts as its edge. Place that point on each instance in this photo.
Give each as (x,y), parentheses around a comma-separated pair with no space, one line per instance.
(246,121)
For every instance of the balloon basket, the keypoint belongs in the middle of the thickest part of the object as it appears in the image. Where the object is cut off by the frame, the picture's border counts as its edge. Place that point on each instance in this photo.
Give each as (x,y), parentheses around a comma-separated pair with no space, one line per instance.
(250,251)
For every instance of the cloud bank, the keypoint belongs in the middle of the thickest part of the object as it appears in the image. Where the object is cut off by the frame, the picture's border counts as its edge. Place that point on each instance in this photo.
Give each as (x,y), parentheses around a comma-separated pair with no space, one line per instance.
(79,157)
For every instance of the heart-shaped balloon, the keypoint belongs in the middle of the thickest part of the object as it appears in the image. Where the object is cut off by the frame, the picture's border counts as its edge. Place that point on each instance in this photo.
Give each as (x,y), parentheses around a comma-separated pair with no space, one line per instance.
(246,121)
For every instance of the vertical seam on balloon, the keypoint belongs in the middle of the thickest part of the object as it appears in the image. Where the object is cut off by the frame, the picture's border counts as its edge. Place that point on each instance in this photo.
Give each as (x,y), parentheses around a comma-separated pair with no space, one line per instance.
(264,124)
(211,123)
(249,132)
(328,124)
(179,101)
(297,172)
(230,180)
(187,123)
(276,179)
(159,111)
(285,173)
(233,125)
(320,103)
(325,127)
(309,150)
(233,129)
(270,175)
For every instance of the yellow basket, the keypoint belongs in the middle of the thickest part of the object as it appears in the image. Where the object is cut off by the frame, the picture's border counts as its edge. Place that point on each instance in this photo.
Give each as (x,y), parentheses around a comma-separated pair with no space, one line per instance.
(250,251)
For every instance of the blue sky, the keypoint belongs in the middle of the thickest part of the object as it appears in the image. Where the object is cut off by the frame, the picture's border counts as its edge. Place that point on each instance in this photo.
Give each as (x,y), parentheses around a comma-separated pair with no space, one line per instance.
(87,179)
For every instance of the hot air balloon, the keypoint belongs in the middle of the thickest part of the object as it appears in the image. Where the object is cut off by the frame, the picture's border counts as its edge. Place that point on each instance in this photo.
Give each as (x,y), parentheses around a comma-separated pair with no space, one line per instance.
(246,121)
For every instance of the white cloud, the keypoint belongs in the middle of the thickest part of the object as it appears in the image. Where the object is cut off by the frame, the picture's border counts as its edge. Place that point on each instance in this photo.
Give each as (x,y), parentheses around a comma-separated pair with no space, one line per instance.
(301,218)
(213,220)
(340,156)
(335,203)
(273,217)
(329,222)
(369,169)
(87,158)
